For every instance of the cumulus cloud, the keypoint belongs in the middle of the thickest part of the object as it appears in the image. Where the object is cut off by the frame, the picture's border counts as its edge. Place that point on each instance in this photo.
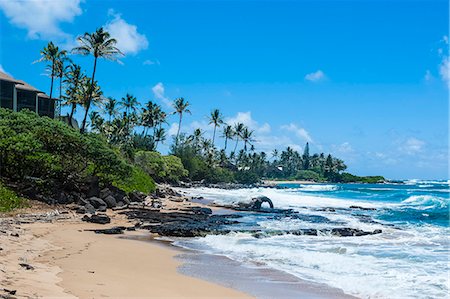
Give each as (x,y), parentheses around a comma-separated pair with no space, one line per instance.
(42,18)
(298,131)
(129,40)
(315,76)
(246,119)
(412,146)
(159,93)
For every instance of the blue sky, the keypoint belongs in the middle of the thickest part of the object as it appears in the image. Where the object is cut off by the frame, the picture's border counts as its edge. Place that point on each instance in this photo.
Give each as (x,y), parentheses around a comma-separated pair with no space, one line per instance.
(365,80)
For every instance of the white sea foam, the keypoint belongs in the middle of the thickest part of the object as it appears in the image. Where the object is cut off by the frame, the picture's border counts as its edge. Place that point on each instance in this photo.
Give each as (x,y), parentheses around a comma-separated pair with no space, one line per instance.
(411,262)
(426,202)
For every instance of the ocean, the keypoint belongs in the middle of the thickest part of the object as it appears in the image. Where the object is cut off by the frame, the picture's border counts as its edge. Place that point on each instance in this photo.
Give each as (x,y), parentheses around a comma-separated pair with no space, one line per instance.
(409,259)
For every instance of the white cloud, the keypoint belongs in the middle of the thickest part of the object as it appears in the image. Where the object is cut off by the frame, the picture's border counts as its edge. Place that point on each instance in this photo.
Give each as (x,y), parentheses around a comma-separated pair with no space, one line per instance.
(42,18)
(412,146)
(246,119)
(343,148)
(299,132)
(151,62)
(173,130)
(129,40)
(315,76)
(159,93)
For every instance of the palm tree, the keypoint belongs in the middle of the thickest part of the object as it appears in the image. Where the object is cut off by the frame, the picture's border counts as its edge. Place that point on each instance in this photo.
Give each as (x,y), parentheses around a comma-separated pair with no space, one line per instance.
(74,78)
(247,137)
(94,91)
(275,154)
(181,106)
(110,107)
(96,121)
(215,119)
(99,44)
(228,133)
(130,103)
(160,136)
(238,129)
(52,54)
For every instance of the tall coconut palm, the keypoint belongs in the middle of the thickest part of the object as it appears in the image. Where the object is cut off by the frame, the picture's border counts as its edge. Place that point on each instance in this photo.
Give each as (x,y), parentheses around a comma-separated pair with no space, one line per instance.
(130,103)
(73,80)
(228,134)
(215,119)
(181,107)
(110,107)
(98,44)
(247,137)
(93,91)
(51,54)
(238,129)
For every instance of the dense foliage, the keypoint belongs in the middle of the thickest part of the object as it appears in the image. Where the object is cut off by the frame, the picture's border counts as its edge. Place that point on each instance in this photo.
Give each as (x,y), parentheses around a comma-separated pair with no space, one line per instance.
(167,169)
(52,153)
(9,200)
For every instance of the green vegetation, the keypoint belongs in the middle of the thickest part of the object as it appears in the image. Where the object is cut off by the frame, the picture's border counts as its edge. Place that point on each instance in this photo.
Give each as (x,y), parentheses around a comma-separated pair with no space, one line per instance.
(137,181)
(167,169)
(9,200)
(350,178)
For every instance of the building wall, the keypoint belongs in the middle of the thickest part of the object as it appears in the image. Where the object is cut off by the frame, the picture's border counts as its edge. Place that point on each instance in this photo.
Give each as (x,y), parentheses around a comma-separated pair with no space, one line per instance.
(19,99)
(6,94)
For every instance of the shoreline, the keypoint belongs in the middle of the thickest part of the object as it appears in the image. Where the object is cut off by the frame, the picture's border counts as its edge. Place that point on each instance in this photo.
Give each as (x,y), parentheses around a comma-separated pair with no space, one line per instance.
(69,262)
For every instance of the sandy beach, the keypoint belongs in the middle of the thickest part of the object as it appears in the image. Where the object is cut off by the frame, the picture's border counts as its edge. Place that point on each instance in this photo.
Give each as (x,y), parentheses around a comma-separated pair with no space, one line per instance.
(65,261)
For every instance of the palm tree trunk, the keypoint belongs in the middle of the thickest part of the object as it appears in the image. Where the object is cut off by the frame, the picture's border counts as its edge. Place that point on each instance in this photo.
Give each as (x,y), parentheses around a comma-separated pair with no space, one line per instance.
(179,127)
(83,126)
(214,134)
(52,75)
(226,141)
(74,105)
(235,147)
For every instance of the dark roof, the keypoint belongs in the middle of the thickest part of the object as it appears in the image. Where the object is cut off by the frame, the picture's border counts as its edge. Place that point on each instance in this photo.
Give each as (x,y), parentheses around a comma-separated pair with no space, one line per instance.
(22,85)
(6,77)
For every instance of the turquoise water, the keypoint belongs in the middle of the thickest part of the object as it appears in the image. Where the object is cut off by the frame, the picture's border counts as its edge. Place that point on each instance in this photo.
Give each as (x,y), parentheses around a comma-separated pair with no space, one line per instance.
(409,259)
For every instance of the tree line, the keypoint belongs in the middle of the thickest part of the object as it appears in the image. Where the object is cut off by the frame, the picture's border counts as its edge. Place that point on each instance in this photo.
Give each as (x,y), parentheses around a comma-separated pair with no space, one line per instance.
(131,126)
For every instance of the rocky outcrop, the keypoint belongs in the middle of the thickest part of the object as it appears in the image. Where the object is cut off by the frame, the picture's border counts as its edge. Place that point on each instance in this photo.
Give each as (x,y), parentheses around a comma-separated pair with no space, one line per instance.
(99,219)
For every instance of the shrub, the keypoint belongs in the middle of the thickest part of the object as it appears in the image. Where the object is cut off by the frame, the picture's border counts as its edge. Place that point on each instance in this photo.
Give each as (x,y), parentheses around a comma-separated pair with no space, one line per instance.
(350,178)
(9,200)
(246,177)
(40,147)
(138,181)
(308,175)
(161,168)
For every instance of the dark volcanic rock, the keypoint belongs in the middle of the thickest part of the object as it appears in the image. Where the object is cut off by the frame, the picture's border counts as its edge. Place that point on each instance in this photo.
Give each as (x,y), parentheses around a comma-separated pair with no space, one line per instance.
(137,196)
(110,201)
(256,203)
(100,219)
(117,230)
(182,224)
(90,209)
(362,208)
(96,202)
(26,266)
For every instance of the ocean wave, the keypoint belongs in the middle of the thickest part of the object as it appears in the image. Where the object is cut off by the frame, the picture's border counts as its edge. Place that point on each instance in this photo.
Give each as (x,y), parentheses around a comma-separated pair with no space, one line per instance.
(426,202)
(318,188)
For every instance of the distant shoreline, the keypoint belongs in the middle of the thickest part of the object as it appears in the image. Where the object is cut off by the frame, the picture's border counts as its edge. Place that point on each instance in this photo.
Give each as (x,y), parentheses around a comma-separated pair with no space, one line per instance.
(276,183)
